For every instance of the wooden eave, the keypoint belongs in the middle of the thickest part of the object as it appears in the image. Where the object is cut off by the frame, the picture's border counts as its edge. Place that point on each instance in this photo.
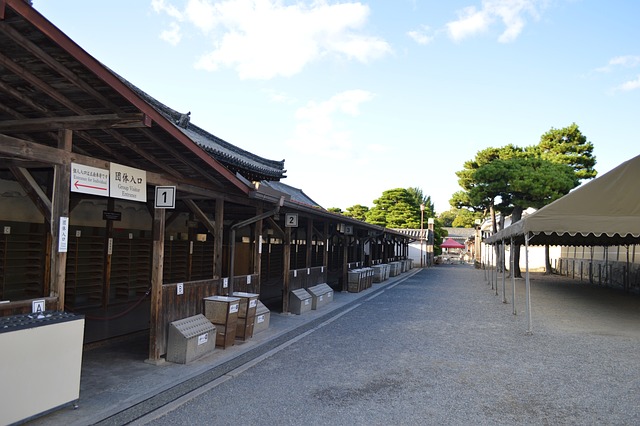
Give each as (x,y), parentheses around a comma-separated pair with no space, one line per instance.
(48,82)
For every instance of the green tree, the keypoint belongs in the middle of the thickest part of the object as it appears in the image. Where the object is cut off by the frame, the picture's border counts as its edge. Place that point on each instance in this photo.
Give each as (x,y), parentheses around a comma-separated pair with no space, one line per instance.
(335,210)
(459,218)
(357,211)
(400,208)
(396,208)
(568,146)
(511,179)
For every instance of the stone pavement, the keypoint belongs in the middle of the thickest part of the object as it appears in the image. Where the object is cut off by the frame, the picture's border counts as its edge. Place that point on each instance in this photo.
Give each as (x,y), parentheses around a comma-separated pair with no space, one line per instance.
(117,386)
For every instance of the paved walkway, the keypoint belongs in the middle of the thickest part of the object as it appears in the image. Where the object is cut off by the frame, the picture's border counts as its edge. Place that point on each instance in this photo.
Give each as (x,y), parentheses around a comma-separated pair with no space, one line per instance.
(584,332)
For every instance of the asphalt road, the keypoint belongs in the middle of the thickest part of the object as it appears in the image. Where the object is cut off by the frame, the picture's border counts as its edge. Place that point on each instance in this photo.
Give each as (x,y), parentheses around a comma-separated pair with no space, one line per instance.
(441,348)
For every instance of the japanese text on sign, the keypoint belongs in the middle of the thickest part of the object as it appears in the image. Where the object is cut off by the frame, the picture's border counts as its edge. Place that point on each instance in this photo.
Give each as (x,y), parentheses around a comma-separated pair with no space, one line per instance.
(128,183)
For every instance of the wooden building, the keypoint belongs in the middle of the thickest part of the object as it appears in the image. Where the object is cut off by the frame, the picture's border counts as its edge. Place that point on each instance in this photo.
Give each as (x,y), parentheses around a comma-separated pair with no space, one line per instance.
(110,200)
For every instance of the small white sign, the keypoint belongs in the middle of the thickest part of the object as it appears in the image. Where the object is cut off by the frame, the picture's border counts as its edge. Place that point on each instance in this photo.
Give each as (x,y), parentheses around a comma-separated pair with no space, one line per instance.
(260,319)
(63,237)
(306,301)
(165,197)
(348,230)
(180,289)
(127,183)
(291,220)
(203,338)
(78,233)
(225,282)
(37,306)
(7,230)
(320,298)
(308,271)
(253,303)
(233,308)
(295,273)
(89,180)
(248,279)
(110,246)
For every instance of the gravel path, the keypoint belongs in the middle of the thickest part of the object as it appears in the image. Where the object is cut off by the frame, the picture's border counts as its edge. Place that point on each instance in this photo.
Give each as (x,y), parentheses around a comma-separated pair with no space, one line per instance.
(441,348)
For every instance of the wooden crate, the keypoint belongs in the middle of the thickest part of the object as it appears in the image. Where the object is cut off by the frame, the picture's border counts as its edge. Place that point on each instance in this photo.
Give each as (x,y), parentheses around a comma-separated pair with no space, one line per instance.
(225,335)
(221,309)
(244,328)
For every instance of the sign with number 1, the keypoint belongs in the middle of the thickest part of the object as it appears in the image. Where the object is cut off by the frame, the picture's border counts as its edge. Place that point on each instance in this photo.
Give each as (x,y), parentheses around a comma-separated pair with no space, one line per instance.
(165,197)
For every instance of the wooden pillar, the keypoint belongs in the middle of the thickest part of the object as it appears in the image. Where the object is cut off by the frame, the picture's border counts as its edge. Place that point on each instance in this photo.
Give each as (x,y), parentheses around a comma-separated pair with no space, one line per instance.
(257,251)
(286,268)
(218,238)
(156,285)
(345,262)
(309,240)
(325,245)
(60,221)
(108,235)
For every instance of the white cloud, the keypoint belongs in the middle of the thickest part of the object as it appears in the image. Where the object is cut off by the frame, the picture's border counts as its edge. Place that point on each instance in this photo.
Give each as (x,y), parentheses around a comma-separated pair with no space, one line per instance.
(470,22)
(629,85)
(627,61)
(421,36)
(161,6)
(262,39)
(512,13)
(172,35)
(278,97)
(319,131)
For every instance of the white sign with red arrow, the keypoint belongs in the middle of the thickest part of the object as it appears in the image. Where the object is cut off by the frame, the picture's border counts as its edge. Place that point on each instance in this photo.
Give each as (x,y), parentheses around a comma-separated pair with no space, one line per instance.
(89,180)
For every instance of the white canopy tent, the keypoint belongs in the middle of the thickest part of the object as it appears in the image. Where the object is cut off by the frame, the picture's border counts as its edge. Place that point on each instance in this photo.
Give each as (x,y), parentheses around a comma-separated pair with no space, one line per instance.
(602,212)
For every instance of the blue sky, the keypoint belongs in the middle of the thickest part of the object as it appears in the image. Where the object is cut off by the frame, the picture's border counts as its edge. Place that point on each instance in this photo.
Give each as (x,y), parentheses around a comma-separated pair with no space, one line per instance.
(361,97)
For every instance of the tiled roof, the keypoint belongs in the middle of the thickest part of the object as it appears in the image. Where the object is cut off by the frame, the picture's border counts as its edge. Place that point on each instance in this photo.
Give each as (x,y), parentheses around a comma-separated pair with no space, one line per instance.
(297,195)
(249,165)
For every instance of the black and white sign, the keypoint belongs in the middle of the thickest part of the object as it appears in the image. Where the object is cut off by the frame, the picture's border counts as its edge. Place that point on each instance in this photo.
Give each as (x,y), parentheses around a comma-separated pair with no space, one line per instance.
(291,220)
(165,197)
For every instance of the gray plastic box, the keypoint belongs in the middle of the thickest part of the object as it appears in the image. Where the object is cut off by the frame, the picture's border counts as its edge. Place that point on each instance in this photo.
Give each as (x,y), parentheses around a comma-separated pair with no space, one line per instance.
(190,338)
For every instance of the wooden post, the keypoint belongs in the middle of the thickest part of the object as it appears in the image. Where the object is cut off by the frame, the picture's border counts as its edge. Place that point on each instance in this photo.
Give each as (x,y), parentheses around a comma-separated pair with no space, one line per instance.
(308,262)
(218,238)
(156,286)
(257,237)
(345,263)
(325,253)
(286,268)
(107,256)
(60,209)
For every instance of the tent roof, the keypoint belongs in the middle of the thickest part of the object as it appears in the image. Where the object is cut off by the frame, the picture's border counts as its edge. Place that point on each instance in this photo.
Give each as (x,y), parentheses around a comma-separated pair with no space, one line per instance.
(604,211)
(451,243)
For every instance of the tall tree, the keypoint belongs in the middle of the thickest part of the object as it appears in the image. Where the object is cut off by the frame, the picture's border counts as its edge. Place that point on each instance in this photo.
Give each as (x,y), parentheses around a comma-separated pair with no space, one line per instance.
(357,211)
(570,147)
(396,208)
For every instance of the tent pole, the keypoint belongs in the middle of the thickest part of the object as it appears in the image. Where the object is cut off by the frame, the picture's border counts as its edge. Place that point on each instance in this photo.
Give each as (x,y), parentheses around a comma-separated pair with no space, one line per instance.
(513,277)
(527,284)
(497,262)
(491,265)
(495,275)
(485,255)
(504,273)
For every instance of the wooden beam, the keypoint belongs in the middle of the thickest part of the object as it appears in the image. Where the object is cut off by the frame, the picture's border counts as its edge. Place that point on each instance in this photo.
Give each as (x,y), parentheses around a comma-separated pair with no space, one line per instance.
(202,217)
(78,122)
(33,190)
(31,151)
